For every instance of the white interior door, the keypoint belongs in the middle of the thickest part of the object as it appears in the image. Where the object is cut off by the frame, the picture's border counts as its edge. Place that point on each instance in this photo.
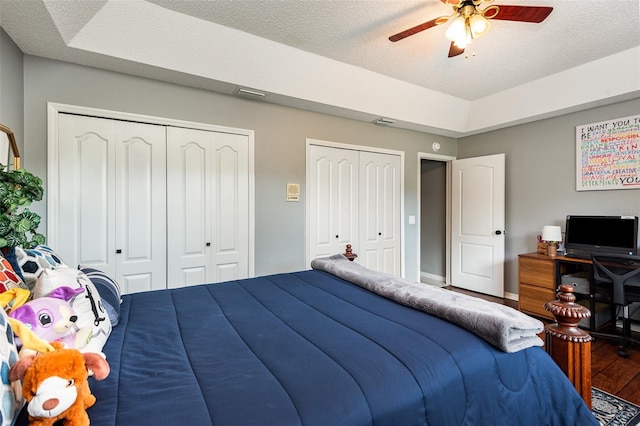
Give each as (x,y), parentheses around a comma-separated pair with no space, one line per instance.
(140,206)
(208,216)
(379,222)
(332,190)
(478,225)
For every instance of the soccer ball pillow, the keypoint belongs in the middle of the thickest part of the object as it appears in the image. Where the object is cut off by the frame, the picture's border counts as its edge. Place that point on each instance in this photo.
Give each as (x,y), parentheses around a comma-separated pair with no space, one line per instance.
(34,261)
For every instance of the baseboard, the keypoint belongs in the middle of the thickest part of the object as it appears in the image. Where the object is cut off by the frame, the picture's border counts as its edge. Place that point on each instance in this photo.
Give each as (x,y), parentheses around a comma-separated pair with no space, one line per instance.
(432,279)
(510,296)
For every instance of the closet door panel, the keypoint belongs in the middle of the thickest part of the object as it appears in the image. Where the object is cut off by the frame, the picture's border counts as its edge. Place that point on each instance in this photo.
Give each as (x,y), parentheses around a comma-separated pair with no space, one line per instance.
(189,233)
(333,200)
(194,202)
(86,182)
(370,197)
(346,200)
(231,205)
(391,196)
(380,211)
(321,205)
(141,204)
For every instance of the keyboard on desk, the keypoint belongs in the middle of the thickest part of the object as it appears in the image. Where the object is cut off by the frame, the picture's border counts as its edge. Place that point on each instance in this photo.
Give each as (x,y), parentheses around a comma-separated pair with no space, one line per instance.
(578,255)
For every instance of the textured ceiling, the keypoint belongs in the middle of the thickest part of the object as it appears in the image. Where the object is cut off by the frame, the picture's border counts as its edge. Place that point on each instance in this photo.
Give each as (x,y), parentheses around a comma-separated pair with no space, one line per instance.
(510,54)
(222,44)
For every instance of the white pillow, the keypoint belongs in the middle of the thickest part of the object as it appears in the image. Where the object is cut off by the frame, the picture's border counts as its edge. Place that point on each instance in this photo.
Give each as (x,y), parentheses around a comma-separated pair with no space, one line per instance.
(11,400)
(87,305)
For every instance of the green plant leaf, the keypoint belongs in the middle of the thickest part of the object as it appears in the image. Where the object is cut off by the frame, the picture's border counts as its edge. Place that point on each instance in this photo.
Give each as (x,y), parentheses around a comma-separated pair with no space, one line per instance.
(19,188)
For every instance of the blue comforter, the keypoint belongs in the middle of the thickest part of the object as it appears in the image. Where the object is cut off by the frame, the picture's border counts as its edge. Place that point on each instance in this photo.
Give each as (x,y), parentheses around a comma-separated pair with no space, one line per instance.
(309,348)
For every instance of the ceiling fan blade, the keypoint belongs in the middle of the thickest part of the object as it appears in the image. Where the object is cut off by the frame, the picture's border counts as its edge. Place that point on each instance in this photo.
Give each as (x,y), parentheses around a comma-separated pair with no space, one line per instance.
(535,14)
(414,30)
(455,50)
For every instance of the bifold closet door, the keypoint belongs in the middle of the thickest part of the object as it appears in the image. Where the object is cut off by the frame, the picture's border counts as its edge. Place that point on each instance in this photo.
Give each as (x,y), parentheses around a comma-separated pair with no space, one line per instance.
(355,198)
(333,200)
(112,199)
(380,212)
(207,209)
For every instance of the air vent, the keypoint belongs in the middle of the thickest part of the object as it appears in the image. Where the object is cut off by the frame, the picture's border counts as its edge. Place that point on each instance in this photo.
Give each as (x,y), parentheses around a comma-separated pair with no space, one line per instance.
(384,121)
(250,93)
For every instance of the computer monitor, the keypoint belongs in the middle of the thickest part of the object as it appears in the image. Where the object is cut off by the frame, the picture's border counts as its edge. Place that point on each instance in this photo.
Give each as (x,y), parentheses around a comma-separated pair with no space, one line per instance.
(601,234)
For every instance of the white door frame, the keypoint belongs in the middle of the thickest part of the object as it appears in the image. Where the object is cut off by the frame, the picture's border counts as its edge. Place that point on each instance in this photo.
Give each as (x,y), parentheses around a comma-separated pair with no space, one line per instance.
(53,111)
(447,159)
(355,148)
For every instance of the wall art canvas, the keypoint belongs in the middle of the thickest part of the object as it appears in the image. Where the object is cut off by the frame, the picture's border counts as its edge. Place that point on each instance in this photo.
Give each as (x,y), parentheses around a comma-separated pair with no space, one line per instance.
(608,154)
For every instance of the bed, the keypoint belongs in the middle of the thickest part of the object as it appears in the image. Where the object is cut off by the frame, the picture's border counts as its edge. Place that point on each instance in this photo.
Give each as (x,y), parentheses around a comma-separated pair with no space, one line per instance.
(313,348)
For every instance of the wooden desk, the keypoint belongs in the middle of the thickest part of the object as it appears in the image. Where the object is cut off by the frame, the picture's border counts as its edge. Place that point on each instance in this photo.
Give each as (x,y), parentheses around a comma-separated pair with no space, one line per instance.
(539,277)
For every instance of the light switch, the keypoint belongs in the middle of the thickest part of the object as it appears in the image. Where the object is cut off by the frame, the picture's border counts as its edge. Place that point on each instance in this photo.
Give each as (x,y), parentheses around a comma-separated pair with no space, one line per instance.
(412,220)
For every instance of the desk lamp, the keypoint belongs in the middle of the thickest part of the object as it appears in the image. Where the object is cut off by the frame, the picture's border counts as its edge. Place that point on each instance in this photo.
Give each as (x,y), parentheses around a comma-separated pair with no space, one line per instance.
(552,235)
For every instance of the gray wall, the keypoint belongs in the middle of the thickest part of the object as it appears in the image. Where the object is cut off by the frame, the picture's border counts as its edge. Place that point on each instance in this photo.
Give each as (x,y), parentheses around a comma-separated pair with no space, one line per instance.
(11,84)
(540,156)
(280,137)
(541,175)
(433,217)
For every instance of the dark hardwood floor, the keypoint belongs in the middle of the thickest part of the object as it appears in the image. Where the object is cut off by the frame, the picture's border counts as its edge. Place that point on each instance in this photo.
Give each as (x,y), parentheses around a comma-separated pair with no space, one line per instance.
(609,371)
(614,374)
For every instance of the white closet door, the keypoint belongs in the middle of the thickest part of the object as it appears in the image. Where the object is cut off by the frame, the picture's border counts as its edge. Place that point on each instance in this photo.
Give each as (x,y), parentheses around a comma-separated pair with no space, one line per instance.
(112,189)
(208,209)
(189,207)
(231,206)
(86,186)
(333,200)
(141,206)
(380,212)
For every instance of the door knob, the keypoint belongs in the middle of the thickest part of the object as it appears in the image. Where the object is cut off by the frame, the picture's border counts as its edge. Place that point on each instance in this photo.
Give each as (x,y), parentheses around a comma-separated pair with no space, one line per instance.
(499,232)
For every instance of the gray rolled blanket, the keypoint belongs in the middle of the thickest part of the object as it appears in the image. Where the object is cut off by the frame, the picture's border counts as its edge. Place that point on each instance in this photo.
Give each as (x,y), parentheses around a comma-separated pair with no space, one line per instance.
(503,327)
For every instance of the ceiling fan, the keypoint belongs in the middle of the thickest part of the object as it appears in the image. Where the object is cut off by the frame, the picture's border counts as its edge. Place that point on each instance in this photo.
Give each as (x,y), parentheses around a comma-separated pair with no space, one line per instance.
(470,22)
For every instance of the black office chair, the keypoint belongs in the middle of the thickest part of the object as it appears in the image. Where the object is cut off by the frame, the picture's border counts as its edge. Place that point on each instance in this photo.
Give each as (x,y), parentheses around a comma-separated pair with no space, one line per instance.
(616,279)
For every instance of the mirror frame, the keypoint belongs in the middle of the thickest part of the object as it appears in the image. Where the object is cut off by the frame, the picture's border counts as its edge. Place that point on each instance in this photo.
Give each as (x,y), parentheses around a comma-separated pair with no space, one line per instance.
(13,145)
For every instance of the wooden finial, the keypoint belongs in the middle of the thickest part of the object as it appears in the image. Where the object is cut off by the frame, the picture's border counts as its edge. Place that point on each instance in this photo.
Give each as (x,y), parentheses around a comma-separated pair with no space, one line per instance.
(568,314)
(349,254)
(569,346)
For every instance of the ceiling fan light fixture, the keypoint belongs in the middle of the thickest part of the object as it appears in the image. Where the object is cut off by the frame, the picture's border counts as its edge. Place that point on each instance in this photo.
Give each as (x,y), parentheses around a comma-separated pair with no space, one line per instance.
(479,25)
(456,30)
(459,32)
(469,21)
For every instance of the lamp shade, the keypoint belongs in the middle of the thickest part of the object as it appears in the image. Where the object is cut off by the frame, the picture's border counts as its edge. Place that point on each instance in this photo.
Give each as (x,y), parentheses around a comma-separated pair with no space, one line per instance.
(551,233)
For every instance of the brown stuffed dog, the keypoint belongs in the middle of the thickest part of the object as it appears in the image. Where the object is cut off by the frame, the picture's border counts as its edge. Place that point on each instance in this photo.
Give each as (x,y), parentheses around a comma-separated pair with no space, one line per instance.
(55,385)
